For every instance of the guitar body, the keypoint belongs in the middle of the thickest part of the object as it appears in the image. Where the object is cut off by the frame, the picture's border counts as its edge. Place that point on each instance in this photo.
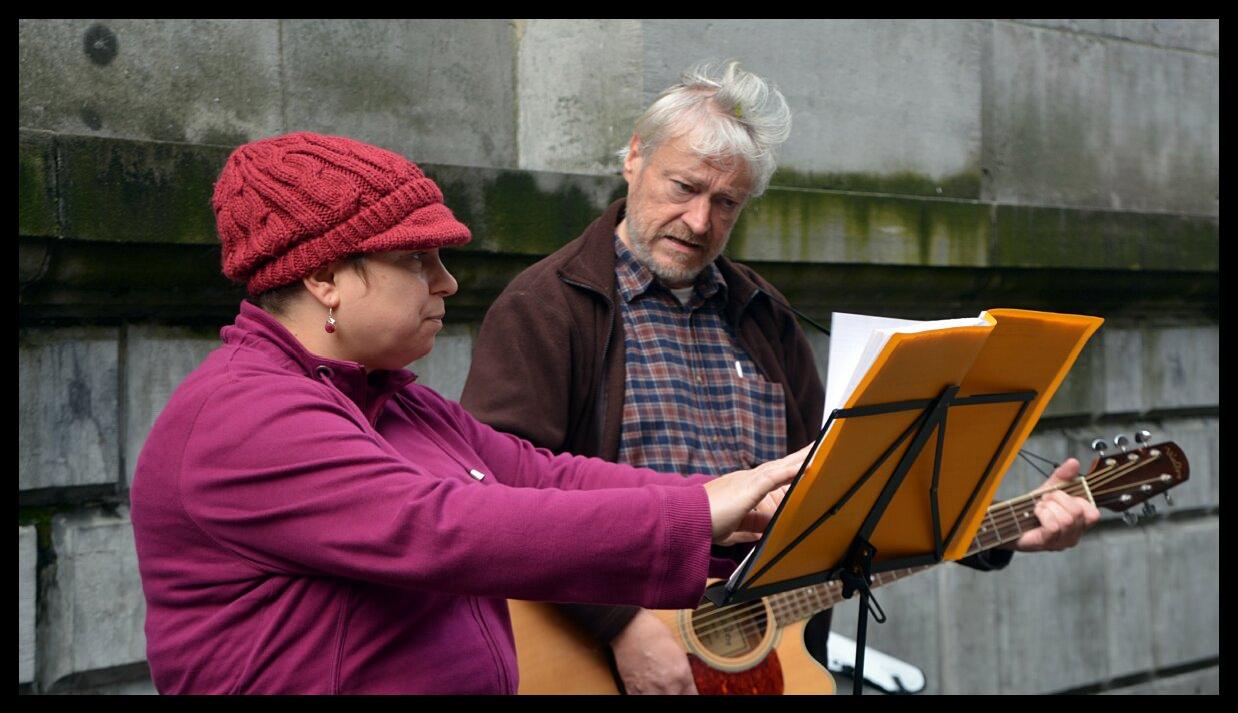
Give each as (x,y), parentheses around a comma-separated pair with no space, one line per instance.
(555,656)
(741,649)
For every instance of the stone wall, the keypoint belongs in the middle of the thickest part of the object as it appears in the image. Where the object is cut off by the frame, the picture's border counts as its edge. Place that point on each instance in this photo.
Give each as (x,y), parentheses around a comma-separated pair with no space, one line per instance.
(935,168)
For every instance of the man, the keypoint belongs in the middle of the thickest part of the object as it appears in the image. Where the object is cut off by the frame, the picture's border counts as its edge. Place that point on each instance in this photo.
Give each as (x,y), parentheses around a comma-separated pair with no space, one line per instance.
(638,342)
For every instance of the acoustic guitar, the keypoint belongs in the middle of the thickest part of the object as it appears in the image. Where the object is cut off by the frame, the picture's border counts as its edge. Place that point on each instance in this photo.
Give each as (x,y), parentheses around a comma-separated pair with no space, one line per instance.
(758,647)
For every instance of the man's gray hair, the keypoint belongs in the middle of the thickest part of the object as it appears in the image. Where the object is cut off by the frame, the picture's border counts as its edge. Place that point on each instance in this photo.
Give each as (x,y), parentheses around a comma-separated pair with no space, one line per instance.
(735,115)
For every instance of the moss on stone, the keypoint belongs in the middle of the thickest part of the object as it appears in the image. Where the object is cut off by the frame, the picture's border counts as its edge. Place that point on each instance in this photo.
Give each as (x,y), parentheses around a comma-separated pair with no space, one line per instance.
(40,518)
(145,192)
(36,184)
(138,191)
(965,184)
(521,218)
(523,212)
(827,226)
(1050,237)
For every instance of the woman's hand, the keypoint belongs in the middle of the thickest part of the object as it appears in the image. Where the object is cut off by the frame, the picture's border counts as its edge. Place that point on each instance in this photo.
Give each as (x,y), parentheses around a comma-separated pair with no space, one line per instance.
(742,503)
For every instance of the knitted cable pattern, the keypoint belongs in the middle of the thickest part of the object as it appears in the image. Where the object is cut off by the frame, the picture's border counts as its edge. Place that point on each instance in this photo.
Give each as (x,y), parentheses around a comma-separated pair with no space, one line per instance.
(286,206)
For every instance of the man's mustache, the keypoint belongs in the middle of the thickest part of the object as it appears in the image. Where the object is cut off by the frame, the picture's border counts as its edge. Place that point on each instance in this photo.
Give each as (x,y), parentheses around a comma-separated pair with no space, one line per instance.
(683,233)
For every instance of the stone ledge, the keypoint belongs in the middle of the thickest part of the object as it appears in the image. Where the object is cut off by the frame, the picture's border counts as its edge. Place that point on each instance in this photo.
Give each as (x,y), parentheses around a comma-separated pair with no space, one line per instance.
(1026,236)
(37,198)
(101,282)
(134,191)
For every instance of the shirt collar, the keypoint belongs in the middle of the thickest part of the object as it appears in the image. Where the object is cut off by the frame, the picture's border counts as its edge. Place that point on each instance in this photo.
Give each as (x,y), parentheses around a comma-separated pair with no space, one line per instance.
(255,327)
(634,279)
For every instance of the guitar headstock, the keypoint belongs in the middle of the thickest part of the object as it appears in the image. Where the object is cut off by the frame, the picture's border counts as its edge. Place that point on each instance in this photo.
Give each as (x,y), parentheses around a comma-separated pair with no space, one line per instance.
(1122,480)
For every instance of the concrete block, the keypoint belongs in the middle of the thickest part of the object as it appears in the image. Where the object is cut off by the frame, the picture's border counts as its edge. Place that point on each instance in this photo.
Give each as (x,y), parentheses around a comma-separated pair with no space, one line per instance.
(1078,120)
(197,81)
(433,90)
(1200,35)
(159,358)
(890,106)
(138,191)
(27,561)
(1199,439)
(95,606)
(911,629)
(1196,35)
(1083,390)
(1185,596)
(969,616)
(580,92)
(1145,688)
(1205,681)
(446,367)
(1181,366)
(1127,602)
(1050,608)
(67,427)
(1123,369)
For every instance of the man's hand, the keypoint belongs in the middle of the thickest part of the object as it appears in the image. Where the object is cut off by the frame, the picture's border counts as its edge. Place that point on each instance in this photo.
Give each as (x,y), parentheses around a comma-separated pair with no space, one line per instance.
(742,503)
(1063,518)
(649,658)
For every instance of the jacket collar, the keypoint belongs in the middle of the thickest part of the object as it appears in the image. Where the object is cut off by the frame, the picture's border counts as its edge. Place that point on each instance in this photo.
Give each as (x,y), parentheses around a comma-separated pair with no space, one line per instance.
(592,264)
(257,329)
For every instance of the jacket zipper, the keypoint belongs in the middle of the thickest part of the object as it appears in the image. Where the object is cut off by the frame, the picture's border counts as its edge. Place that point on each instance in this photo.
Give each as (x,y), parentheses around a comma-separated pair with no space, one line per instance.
(601,388)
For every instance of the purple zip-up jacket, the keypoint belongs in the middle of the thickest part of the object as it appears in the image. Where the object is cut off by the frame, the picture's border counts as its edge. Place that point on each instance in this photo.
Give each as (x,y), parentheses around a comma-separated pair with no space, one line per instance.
(303,527)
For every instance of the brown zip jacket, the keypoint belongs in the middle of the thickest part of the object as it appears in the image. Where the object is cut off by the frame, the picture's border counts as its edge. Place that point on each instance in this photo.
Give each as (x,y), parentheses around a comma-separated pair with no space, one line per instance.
(548,363)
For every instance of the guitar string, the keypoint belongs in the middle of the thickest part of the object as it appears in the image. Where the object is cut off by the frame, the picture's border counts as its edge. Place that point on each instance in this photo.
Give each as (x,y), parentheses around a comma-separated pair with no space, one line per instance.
(754,611)
(726,616)
(746,619)
(1005,520)
(713,616)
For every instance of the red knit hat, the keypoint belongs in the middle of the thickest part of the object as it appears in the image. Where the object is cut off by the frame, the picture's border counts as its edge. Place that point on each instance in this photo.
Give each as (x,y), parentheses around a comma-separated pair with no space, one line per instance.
(286,206)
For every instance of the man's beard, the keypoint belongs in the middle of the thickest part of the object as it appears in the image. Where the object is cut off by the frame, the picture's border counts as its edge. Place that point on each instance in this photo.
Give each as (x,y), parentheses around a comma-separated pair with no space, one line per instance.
(673,273)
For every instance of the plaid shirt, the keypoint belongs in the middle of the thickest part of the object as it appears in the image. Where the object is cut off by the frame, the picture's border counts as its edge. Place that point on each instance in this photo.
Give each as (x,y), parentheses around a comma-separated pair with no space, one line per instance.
(693,399)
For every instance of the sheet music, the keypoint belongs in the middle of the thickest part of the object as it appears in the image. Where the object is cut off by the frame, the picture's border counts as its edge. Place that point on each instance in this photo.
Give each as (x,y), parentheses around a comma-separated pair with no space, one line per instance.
(855,342)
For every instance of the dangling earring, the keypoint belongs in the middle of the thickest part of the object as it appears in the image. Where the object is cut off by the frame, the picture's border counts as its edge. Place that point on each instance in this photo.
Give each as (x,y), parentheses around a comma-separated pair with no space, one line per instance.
(330,326)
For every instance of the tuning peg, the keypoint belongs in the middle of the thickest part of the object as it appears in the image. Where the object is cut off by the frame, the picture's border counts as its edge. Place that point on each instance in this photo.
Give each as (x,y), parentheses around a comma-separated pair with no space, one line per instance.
(1100,446)
(1129,517)
(1169,499)
(1121,441)
(1143,437)
(1149,510)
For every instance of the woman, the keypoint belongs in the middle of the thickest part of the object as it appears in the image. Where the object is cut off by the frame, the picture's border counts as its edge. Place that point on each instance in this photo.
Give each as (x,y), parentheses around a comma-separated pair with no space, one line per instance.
(310,520)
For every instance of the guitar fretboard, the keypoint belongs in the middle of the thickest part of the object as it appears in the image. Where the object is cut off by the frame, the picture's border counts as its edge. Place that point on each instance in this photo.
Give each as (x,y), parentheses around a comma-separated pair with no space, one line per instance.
(1143,471)
(1004,522)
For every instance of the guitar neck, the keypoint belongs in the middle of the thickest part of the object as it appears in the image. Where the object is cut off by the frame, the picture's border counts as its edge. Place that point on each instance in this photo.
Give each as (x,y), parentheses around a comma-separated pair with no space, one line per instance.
(1004,522)
(1117,482)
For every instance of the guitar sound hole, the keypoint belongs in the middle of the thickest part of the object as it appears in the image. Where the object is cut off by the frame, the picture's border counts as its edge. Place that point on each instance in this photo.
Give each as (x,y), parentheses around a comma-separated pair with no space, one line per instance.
(730,632)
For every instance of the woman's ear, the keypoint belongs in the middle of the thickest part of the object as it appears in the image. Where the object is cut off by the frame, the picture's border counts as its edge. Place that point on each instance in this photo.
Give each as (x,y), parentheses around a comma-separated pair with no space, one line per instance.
(322,285)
